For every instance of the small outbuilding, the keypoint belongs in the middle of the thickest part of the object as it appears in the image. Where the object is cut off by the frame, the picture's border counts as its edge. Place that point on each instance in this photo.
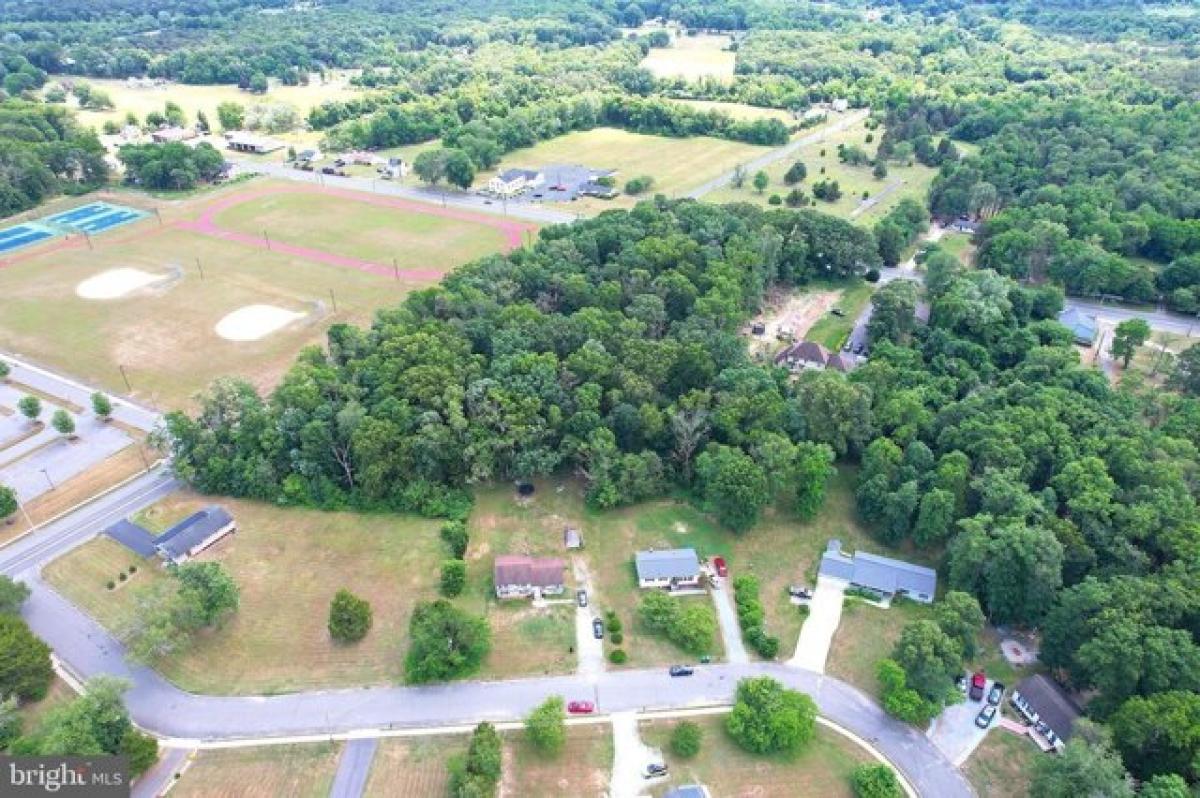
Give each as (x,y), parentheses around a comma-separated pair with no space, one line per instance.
(572,537)
(241,141)
(668,568)
(194,534)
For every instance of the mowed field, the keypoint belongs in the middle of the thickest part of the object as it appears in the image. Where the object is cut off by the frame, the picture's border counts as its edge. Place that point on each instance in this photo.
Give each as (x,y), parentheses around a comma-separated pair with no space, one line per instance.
(206,98)
(692,58)
(901,181)
(288,564)
(740,111)
(210,258)
(822,769)
(675,164)
(298,771)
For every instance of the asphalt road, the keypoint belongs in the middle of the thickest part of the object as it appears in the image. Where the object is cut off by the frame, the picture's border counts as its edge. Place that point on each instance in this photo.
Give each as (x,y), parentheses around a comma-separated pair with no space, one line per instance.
(1163,320)
(455,199)
(354,766)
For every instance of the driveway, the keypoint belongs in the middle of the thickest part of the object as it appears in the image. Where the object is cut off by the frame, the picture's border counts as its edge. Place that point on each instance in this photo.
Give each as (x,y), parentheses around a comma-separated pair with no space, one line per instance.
(589,651)
(630,758)
(354,766)
(954,731)
(824,615)
(731,630)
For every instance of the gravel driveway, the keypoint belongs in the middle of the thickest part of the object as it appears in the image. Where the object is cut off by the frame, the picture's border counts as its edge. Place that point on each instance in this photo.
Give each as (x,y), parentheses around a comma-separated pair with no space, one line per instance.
(731,631)
(630,757)
(589,651)
(824,615)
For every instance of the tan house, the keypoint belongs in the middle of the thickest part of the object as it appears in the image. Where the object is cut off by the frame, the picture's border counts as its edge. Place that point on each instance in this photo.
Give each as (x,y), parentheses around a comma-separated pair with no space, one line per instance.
(803,355)
(519,576)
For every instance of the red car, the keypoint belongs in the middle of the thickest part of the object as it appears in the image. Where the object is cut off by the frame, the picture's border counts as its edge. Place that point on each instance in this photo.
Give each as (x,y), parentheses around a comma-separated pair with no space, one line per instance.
(581,707)
(978,683)
(719,564)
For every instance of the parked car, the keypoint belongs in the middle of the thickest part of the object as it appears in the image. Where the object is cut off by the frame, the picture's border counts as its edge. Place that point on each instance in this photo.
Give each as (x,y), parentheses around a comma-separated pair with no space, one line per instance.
(719,564)
(654,770)
(837,311)
(581,707)
(682,670)
(598,628)
(581,597)
(800,592)
(339,162)
(858,349)
(978,683)
(984,718)
(995,694)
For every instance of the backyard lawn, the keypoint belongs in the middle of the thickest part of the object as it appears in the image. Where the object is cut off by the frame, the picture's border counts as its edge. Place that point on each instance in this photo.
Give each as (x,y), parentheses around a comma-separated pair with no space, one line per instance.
(413,766)
(288,564)
(676,164)
(583,768)
(866,635)
(297,771)
(1000,767)
(901,181)
(822,769)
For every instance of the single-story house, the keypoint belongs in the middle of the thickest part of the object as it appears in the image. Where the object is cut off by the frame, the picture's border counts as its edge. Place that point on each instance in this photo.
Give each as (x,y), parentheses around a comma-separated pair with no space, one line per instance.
(598,190)
(194,534)
(882,574)
(518,576)
(133,537)
(669,568)
(841,105)
(241,141)
(1047,706)
(803,355)
(395,168)
(514,181)
(572,537)
(1082,326)
(964,225)
(814,114)
(167,135)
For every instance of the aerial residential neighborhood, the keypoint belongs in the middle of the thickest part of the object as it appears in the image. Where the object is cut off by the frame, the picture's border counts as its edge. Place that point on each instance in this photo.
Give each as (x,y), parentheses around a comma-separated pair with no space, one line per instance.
(559,399)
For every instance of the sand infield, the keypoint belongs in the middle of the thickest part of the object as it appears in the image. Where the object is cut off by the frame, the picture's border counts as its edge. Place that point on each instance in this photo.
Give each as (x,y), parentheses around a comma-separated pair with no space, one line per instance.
(117,283)
(255,322)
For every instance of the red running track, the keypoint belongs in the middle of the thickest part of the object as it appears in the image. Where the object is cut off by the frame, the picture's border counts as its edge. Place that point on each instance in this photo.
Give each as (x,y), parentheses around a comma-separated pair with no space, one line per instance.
(206,224)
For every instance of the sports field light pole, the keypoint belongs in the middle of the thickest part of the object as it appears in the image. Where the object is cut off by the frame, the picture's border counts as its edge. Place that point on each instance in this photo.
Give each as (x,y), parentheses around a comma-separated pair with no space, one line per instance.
(158,216)
(25,513)
(88,237)
(333,299)
(396,269)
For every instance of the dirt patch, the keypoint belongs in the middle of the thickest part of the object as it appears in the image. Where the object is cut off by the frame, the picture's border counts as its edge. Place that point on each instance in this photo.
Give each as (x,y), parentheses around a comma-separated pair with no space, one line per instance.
(790,316)
(116,283)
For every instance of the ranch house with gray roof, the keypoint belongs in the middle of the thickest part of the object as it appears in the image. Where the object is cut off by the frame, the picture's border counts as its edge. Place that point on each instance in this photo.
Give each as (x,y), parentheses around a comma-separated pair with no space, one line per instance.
(884,575)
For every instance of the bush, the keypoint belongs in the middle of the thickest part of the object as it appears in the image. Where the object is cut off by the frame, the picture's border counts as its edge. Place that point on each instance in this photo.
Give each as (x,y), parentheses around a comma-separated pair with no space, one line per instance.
(122,576)
(25,669)
(612,621)
(349,617)
(691,626)
(454,534)
(875,781)
(775,199)
(111,584)
(454,577)
(872,276)
(750,617)
(639,185)
(446,642)
(767,718)
(617,656)
(133,569)
(617,638)
(686,739)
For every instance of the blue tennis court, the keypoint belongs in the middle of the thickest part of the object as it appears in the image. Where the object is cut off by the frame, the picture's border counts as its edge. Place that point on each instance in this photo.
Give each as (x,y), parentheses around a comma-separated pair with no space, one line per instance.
(22,235)
(95,217)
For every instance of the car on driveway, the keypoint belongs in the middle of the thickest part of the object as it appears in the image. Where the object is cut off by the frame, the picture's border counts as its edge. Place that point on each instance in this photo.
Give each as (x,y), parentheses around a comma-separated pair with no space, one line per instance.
(654,770)
(581,707)
(581,597)
(719,564)
(984,718)
(598,628)
(995,694)
(681,670)
(978,683)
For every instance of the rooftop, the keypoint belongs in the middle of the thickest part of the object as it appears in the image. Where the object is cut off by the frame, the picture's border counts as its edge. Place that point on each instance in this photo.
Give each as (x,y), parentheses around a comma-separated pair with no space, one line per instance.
(884,574)
(198,527)
(667,564)
(518,569)
(508,175)
(806,351)
(1051,703)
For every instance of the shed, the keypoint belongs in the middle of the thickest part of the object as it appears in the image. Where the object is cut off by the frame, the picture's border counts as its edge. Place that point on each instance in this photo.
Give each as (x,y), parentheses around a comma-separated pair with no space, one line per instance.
(572,537)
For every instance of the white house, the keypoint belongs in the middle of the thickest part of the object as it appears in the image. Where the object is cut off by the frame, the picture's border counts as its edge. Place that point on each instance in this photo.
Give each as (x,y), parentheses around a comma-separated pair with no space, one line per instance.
(514,181)
(668,568)
(518,576)
(241,141)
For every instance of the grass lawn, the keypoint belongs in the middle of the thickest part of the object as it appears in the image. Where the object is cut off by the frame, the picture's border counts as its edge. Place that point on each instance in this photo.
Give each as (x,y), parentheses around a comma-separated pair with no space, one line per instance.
(740,110)
(1001,766)
(33,713)
(288,564)
(831,331)
(854,180)
(368,232)
(164,335)
(959,245)
(582,768)
(692,58)
(264,772)
(206,98)
(675,164)
(413,766)
(866,635)
(823,768)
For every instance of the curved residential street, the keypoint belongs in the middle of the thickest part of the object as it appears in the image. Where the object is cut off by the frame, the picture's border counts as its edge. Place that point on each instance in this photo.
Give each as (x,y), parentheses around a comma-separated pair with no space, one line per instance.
(88,650)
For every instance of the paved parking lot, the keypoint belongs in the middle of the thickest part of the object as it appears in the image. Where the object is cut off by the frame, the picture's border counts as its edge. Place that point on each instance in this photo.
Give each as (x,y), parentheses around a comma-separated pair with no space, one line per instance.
(954,731)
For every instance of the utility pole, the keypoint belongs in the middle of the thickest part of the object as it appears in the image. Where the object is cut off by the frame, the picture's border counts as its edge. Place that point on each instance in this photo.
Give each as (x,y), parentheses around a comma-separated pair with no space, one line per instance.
(46,474)
(200,268)
(267,239)
(124,376)
(333,299)
(396,269)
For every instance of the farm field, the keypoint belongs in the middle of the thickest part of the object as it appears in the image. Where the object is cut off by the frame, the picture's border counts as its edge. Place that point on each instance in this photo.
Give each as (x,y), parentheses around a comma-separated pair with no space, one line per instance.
(581,770)
(901,181)
(693,58)
(206,98)
(169,282)
(272,645)
(412,766)
(303,771)
(675,164)
(823,768)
